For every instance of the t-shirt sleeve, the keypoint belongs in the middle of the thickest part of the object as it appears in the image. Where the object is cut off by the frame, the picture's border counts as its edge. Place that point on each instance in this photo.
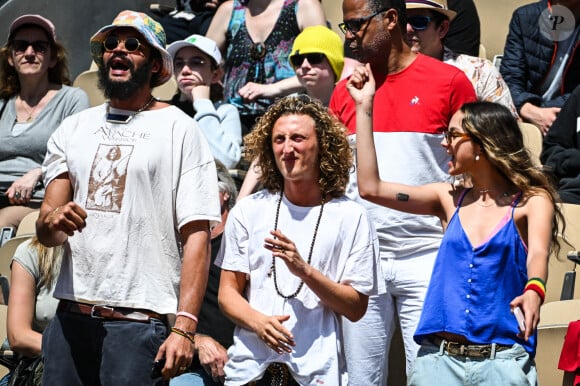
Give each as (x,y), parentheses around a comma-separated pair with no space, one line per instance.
(362,266)
(55,160)
(462,91)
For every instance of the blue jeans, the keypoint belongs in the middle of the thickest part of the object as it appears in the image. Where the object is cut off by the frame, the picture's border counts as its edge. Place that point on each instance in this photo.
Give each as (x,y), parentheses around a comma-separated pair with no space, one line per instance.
(194,378)
(80,350)
(512,367)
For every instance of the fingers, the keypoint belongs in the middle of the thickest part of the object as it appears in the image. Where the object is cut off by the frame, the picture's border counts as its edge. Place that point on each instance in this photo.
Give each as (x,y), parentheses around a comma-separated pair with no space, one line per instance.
(275,336)
(178,355)
(68,218)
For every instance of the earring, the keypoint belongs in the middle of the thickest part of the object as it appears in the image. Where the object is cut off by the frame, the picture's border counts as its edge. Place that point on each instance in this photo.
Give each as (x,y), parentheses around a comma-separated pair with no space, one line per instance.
(477,157)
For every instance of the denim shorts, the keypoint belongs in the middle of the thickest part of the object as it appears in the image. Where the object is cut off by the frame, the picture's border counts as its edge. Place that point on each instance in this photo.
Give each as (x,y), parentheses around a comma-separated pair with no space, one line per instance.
(512,367)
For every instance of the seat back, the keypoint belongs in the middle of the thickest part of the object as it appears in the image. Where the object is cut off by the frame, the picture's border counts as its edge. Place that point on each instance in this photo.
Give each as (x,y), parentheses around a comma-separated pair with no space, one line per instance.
(27,225)
(554,320)
(559,264)
(7,253)
(533,139)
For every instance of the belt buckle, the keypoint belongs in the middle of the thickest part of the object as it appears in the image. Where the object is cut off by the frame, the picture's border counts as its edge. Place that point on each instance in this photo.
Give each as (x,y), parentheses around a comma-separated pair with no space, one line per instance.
(100,306)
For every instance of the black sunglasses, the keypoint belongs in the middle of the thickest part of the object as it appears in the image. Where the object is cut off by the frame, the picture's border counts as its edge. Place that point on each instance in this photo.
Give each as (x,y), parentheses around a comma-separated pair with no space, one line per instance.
(112,42)
(313,58)
(39,46)
(355,25)
(419,23)
(193,62)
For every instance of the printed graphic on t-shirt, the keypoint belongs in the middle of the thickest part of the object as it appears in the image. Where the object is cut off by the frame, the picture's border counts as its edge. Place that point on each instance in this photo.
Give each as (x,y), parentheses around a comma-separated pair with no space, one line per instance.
(108,174)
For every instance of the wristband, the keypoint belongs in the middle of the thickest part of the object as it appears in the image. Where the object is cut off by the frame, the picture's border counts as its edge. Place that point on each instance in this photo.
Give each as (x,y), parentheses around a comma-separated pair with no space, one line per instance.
(538,286)
(187,315)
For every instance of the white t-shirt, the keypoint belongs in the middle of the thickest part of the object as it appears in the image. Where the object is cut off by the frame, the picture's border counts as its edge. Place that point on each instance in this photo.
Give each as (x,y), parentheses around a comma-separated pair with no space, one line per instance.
(345,251)
(139,182)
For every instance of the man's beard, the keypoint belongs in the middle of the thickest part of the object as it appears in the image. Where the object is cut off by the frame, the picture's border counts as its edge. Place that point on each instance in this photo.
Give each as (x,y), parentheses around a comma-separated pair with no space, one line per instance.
(126,89)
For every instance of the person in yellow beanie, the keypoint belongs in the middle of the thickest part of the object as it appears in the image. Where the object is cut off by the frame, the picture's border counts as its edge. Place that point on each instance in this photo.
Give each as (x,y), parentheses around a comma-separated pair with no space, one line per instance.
(318,59)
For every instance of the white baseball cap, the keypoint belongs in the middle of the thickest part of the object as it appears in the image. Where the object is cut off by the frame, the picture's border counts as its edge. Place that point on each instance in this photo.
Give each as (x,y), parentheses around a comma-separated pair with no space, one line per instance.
(206,45)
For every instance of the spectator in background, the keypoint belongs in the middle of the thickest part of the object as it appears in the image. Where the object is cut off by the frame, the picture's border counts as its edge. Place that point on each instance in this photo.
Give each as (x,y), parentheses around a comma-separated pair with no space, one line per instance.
(215,332)
(427,26)
(190,17)
(31,306)
(256,37)
(36,97)
(197,70)
(415,99)
(464,33)
(541,73)
(318,59)
(561,149)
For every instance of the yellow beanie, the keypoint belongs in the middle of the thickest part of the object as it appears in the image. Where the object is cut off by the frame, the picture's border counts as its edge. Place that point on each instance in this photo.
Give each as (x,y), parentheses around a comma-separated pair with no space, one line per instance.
(322,40)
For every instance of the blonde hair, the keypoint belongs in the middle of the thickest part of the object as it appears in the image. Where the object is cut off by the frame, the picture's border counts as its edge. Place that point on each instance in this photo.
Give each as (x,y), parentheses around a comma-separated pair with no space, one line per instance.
(49,260)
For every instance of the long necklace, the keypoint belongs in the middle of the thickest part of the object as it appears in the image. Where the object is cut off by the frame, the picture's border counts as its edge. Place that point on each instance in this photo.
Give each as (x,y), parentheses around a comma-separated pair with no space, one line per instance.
(273,268)
(123,118)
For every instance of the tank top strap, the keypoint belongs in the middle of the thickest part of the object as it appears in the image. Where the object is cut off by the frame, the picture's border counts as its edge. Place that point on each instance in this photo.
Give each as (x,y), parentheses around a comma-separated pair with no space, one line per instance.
(462,196)
(237,19)
(514,203)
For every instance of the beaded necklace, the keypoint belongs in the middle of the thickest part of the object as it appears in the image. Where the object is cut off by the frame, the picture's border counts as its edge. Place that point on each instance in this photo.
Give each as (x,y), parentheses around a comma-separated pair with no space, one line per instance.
(273,268)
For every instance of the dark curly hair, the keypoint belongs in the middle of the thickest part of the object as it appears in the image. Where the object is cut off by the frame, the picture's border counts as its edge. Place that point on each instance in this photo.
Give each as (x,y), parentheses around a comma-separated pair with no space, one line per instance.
(9,82)
(335,154)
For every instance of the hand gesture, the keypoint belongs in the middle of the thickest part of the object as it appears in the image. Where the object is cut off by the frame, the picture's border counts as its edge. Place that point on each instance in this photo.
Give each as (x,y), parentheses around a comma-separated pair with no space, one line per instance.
(271,331)
(530,303)
(361,84)
(68,218)
(212,356)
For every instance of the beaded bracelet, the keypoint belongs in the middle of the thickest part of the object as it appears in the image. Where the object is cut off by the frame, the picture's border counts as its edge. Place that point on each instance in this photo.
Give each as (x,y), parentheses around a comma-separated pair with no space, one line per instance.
(186,334)
(187,315)
(537,285)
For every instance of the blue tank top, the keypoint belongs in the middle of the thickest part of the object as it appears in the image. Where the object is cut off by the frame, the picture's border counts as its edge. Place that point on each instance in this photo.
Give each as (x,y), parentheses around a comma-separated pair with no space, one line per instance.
(471,287)
(260,62)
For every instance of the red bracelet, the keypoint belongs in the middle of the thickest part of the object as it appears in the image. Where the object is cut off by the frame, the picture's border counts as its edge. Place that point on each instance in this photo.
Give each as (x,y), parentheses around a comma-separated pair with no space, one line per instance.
(187,315)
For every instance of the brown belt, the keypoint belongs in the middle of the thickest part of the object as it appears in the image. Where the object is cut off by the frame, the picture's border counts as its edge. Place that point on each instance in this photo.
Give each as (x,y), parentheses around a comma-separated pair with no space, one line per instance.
(99,311)
(468,350)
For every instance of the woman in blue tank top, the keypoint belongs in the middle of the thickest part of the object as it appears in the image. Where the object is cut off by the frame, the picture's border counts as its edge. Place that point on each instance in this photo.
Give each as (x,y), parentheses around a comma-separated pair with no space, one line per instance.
(493,258)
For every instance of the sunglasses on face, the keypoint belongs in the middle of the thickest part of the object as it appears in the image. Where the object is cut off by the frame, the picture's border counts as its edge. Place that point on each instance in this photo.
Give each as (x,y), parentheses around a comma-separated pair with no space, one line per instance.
(313,58)
(355,25)
(112,42)
(450,135)
(419,23)
(39,46)
(192,62)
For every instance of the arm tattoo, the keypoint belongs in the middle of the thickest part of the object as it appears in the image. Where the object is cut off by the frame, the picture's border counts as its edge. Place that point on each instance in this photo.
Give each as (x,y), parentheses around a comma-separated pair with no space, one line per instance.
(369,113)
(402,197)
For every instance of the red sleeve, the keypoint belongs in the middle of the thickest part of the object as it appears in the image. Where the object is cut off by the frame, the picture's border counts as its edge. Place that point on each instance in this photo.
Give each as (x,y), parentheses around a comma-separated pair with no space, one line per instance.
(462,92)
(342,106)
